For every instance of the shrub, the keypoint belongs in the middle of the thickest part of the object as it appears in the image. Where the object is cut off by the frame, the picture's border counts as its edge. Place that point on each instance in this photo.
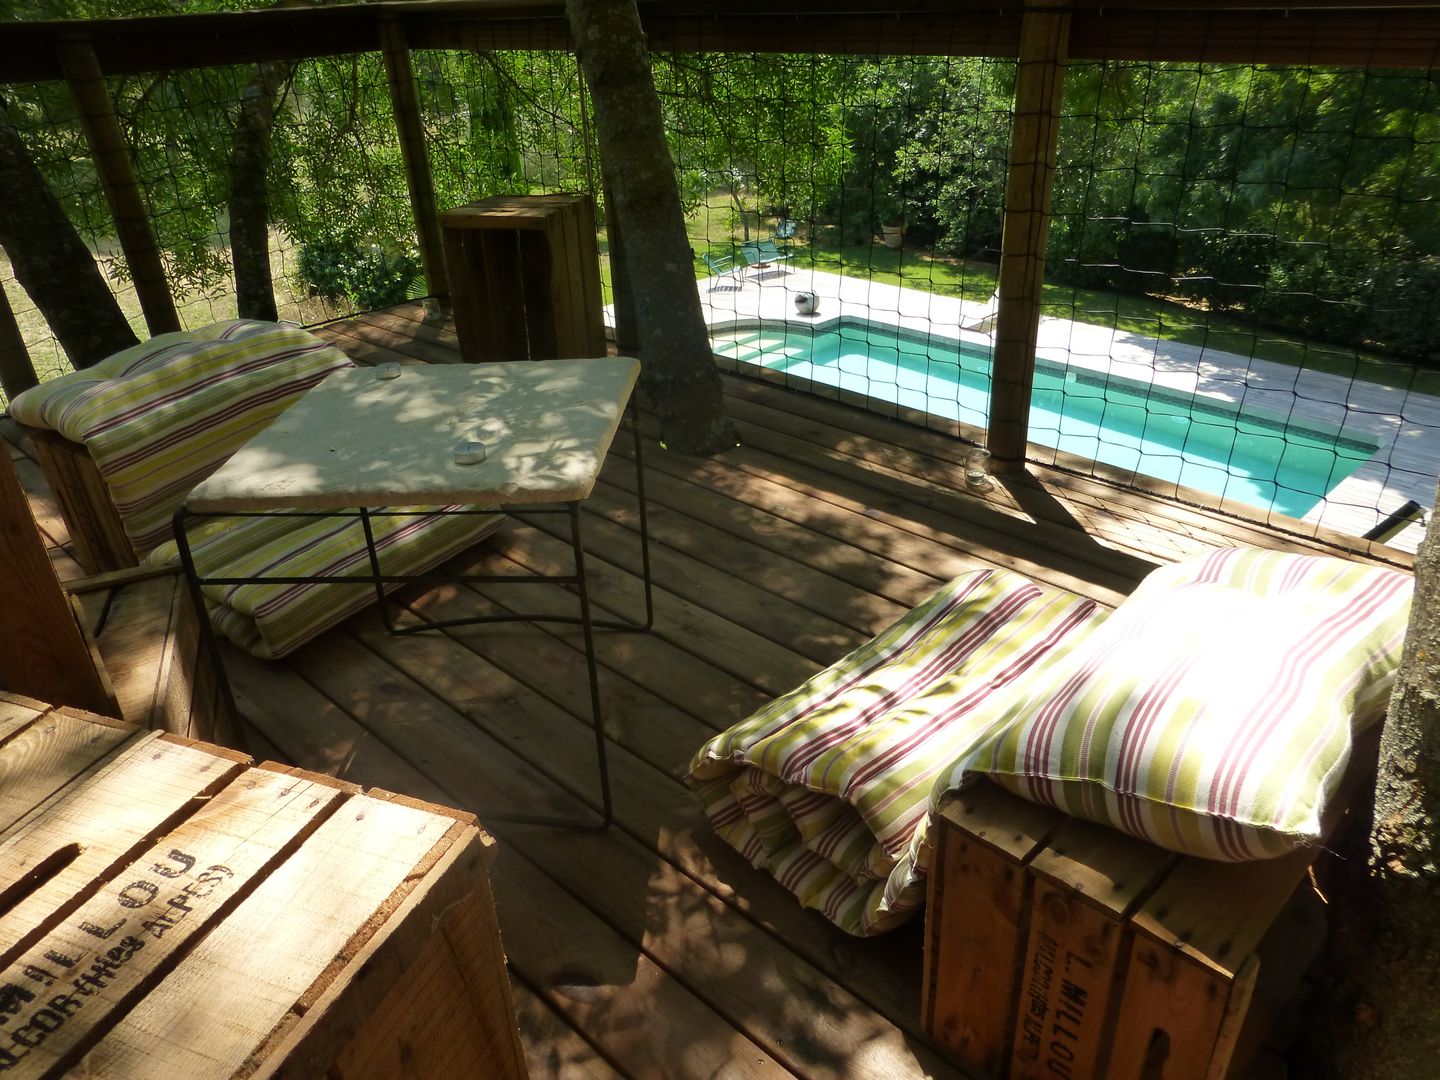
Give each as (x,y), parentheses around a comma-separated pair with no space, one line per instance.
(368,276)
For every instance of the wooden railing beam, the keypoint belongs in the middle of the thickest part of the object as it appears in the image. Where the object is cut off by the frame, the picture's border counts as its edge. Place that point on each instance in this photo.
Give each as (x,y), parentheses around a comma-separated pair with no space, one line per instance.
(405,100)
(1035,134)
(1343,33)
(117,178)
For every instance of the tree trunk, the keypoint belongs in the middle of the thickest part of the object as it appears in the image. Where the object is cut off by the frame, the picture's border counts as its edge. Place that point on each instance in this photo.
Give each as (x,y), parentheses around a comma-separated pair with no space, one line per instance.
(51,262)
(17,373)
(1383,1021)
(679,370)
(250,192)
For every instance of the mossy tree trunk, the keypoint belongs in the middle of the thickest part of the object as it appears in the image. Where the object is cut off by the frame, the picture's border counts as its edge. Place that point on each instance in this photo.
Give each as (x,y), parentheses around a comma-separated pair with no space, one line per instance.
(1382,1016)
(249,201)
(679,371)
(51,262)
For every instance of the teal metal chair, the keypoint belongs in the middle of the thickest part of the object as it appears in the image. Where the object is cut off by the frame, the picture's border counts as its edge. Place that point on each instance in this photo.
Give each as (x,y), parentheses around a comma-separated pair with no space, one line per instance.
(722,272)
(762,254)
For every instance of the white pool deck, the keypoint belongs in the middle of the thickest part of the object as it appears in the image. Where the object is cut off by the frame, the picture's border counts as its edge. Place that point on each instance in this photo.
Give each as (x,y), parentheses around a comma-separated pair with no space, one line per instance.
(1406,425)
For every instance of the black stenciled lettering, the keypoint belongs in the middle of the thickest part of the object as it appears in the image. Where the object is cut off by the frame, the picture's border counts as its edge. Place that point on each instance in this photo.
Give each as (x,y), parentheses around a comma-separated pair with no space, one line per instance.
(1064,1051)
(157,926)
(39,974)
(186,864)
(1059,1068)
(59,958)
(181,902)
(207,881)
(12,996)
(138,894)
(65,1005)
(47,1019)
(29,1036)
(9,1060)
(101,932)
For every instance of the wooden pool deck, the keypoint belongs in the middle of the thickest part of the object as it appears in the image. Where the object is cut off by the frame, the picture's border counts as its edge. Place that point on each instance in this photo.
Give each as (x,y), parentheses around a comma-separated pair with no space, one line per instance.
(651,950)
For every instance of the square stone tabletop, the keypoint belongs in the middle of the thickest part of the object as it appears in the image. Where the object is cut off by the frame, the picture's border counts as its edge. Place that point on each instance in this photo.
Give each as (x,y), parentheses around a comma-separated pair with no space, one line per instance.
(360,439)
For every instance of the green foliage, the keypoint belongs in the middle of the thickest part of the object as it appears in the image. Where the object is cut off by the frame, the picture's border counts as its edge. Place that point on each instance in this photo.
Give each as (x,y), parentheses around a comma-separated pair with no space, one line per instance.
(1301,199)
(367,275)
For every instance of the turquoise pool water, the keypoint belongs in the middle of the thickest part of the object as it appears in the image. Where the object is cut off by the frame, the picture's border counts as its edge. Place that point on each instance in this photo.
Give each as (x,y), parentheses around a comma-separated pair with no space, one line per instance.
(1258,459)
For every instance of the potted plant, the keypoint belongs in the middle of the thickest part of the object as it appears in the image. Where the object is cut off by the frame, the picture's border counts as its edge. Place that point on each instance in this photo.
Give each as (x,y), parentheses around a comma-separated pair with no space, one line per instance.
(890,210)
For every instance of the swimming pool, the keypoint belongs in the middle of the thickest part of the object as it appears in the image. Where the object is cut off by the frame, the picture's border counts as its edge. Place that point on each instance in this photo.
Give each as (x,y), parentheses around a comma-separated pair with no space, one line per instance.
(1255,458)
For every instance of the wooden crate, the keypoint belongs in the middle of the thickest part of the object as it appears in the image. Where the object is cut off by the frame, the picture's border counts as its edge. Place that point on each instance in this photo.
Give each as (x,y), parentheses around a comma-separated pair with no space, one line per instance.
(525,278)
(1058,948)
(96,530)
(169,908)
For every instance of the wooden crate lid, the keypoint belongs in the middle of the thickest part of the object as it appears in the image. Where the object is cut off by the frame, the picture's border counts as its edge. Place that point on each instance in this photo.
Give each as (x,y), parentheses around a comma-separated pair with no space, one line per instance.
(1002,822)
(512,212)
(169,908)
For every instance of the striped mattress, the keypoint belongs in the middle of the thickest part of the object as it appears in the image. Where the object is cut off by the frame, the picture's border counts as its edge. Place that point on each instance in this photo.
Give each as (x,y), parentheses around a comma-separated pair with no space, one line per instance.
(828,788)
(161,416)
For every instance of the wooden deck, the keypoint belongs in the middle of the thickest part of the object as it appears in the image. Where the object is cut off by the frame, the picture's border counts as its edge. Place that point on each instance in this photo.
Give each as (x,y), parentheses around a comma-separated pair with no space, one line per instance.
(651,949)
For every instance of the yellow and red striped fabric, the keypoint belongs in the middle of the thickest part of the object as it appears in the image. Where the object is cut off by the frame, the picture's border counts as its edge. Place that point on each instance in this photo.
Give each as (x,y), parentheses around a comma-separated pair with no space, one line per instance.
(159,417)
(828,787)
(1215,711)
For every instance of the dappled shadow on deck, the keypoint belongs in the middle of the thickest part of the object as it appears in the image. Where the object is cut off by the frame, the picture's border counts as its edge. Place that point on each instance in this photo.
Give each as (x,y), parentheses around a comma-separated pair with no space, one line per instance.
(652,947)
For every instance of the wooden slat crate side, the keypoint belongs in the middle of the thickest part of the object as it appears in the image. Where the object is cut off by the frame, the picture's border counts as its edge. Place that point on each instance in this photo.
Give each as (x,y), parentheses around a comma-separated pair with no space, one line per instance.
(434,999)
(1286,958)
(191,702)
(94,965)
(41,756)
(977,921)
(18,712)
(99,536)
(246,977)
(1088,881)
(540,260)
(1192,944)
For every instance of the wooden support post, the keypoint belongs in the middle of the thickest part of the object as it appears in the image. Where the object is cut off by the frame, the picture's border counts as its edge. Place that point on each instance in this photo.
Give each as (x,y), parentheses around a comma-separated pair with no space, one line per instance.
(43,652)
(117,177)
(405,100)
(1039,85)
(17,373)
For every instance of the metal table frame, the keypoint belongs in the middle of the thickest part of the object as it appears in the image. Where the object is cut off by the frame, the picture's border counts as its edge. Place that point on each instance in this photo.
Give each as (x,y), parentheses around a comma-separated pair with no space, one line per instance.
(378,579)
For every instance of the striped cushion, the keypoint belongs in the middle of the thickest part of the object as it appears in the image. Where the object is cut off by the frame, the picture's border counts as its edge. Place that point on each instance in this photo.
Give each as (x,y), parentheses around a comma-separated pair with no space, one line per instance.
(828,787)
(1213,713)
(270,620)
(159,417)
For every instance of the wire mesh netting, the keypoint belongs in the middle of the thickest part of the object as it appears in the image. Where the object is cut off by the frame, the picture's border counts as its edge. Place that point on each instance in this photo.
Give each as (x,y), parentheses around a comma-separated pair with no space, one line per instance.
(1241,287)
(847,212)
(1243,261)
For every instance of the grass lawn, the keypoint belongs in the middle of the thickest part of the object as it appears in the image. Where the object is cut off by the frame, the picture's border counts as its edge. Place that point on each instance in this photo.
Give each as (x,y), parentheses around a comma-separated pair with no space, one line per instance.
(712,229)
